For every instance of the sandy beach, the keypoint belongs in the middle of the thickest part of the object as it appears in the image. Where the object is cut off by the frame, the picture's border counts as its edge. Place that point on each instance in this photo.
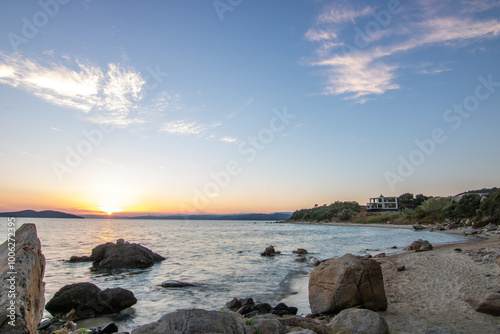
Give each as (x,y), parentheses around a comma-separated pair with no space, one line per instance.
(429,296)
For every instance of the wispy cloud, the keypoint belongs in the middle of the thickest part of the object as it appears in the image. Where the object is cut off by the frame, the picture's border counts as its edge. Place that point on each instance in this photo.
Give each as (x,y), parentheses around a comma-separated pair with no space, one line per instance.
(85,87)
(187,128)
(229,140)
(360,66)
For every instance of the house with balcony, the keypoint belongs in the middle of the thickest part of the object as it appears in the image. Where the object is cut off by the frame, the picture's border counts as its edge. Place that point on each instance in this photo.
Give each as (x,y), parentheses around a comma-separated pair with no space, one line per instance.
(382,203)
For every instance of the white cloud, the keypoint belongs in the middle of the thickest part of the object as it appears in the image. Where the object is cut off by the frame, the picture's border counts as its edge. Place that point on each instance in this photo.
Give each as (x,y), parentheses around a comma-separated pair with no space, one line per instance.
(371,68)
(227,139)
(182,127)
(113,93)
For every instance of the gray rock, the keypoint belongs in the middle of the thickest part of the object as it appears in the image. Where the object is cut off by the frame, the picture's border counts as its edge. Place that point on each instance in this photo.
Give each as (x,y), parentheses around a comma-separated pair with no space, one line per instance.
(176,284)
(27,290)
(111,256)
(418,227)
(267,323)
(195,321)
(314,261)
(347,282)
(84,258)
(87,300)
(420,245)
(358,321)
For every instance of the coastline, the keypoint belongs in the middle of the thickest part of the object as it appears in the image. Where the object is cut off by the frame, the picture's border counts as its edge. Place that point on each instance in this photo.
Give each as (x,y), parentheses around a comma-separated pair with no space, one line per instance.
(406,227)
(430,295)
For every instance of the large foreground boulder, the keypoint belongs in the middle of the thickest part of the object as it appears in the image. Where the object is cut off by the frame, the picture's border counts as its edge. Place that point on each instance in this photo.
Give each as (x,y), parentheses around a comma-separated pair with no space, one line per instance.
(195,321)
(346,282)
(358,321)
(22,267)
(88,300)
(121,255)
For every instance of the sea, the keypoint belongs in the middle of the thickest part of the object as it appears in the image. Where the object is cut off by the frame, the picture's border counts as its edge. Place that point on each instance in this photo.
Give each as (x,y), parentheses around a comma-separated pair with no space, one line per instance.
(221,258)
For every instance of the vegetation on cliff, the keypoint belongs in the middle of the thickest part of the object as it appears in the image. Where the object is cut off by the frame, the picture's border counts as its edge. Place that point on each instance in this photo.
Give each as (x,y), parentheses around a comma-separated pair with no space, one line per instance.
(482,206)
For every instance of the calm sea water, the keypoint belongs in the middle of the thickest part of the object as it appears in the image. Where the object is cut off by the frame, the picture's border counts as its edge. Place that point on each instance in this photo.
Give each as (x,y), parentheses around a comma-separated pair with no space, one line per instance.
(221,257)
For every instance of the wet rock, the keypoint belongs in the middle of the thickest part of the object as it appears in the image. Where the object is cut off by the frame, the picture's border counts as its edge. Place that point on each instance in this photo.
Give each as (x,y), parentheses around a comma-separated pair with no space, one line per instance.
(420,245)
(358,321)
(85,300)
(44,324)
(29,266)
(270,251)
(75,259)
(111,256)
(489,304)
(314,261)
(347,282)
(418,227)
(471,231)
(176,284)
(300,251)
(109,328)
(301,259)
(379,255)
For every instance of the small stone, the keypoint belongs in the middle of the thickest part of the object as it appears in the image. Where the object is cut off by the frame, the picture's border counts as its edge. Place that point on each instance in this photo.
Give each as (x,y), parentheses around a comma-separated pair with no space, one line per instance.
(379,255)
(176,284)
(301,259)
(458,250)
(109,328)
(300,251)
(401,268)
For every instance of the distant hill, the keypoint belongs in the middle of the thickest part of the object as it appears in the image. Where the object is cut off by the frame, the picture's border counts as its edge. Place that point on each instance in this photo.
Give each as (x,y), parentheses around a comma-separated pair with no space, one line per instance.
(480,191)
(38,214)
(238,216)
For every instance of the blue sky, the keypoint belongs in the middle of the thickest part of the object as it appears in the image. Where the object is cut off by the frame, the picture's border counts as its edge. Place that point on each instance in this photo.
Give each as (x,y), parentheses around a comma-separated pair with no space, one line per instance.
(244,106)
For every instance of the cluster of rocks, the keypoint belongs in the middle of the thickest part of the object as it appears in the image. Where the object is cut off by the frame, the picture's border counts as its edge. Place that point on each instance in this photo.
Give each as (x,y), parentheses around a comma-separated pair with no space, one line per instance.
(46,327)
(468,226)
(484,255)
(270,251)
(420,246)
(120,255)
(86,300)
(248,308)
(351,320)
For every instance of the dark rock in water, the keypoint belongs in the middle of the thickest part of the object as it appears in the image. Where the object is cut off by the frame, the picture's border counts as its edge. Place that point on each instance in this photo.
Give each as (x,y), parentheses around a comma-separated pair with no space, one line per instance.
(195,321)
(292,310)
(300,259)
(234,304)
(489,304)
(176,284)
(270,251)
(111,256)
(300,251)
(420,245)
(86,300)
(109,328)
(401,268)
(44,324)
(245,309)
(263,308)
(394,247)
(314,261)
(84,258)
(418,227)
(345,282)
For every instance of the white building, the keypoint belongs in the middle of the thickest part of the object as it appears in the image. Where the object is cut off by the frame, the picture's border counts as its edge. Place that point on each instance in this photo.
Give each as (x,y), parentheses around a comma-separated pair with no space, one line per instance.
(382,203)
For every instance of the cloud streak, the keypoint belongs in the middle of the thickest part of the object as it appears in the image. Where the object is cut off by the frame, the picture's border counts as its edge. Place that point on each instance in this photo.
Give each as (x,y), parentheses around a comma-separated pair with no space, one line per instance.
(115,91)
(366,63)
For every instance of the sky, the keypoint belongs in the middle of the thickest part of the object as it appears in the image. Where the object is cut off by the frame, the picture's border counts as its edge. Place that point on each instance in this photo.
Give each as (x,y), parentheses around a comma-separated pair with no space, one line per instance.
(232,106)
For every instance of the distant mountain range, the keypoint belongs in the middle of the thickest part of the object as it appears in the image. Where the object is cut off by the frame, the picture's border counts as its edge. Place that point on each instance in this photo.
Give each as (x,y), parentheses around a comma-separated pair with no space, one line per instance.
(238,216)
(38,214)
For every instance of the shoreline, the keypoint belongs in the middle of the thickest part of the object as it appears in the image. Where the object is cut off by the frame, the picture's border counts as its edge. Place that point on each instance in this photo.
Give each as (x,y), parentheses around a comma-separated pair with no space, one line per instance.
(429,295)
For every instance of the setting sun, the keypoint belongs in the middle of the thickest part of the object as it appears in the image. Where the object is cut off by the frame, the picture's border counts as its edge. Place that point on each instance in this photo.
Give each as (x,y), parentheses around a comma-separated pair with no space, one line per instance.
(110,211)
